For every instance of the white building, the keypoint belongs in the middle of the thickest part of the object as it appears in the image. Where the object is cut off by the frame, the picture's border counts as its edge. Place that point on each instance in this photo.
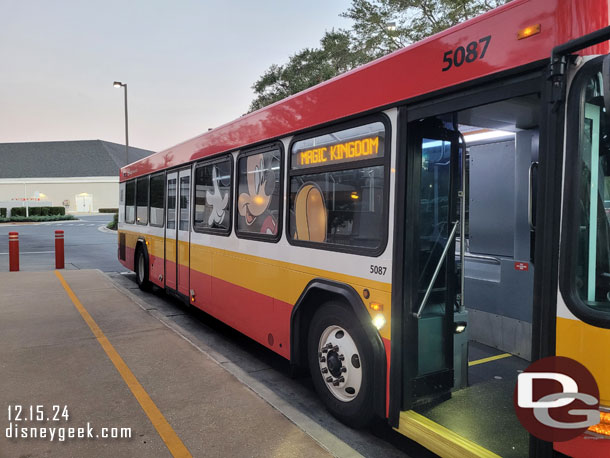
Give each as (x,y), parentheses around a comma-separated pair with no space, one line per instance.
(81,175)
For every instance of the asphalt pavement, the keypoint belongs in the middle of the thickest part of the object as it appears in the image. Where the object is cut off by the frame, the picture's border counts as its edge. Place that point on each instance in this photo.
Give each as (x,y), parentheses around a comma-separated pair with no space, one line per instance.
(86,247)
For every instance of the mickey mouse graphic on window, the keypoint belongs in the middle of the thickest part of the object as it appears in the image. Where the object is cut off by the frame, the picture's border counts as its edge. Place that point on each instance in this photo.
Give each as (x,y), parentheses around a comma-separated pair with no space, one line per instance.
(217,201)
(256,195)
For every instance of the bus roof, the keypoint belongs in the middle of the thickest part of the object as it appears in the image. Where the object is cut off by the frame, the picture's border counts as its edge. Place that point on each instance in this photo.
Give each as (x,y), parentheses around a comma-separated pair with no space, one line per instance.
(402,75)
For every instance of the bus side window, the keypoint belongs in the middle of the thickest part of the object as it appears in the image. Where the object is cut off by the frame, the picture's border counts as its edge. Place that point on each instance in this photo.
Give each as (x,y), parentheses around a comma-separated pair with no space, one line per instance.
(258,195)
(212,205)
(157,199)
(130,202)
(142,201)
(338,191)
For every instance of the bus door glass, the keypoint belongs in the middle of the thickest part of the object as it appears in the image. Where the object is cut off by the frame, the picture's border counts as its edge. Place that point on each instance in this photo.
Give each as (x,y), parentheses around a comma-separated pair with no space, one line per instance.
(183,242)
(583,311)
(171,231)
(431,283)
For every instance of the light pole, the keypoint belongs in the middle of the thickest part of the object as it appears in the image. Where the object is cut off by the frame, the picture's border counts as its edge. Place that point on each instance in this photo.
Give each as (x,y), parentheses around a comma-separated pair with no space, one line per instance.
(124,85)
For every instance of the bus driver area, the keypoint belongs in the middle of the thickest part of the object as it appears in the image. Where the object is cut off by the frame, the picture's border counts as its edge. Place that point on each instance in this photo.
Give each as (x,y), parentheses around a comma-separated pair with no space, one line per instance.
(81,353)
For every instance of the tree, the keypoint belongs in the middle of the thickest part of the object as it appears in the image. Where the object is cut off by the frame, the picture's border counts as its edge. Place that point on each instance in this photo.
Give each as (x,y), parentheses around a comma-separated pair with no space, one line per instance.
(383,26)
(380,27)
(307,68)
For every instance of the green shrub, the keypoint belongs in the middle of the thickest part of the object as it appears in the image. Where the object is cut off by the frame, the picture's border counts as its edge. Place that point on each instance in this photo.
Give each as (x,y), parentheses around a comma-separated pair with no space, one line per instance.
(34,211)
(36,219)
(2,212)
(17,211)
(57,210)
(114,224)
(108,210)
(45,211)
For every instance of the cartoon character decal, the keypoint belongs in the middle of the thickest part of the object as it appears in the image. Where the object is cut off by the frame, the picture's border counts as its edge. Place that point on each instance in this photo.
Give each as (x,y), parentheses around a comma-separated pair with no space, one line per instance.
(310,213)
(217,201)
(254,205)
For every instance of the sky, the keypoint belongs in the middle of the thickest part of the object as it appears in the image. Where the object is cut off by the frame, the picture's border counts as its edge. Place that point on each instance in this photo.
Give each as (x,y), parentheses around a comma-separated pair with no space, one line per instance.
(189,64)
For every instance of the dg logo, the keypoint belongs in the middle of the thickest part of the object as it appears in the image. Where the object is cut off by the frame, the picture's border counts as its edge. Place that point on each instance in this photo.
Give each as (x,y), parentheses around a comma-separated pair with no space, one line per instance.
(557,399)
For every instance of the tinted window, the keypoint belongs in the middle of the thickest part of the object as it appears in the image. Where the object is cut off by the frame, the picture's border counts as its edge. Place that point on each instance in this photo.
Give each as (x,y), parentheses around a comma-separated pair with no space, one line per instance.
(171,203)
(130,202)
(342,207)
(591,253)
(157,199)
(142,201)
(213,197)
(184,203)
(258,201)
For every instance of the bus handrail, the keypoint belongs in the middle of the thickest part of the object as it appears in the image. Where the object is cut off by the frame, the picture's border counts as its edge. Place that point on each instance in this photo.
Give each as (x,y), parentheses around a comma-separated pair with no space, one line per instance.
(530,196)
(437,270)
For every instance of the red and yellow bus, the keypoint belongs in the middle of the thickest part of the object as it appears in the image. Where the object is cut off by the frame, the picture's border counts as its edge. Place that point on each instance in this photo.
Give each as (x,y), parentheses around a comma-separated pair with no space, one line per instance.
(414,232)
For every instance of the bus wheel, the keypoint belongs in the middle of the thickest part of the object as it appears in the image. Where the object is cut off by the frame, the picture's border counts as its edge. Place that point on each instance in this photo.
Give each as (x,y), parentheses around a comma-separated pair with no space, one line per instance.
(340,362)
(142,271)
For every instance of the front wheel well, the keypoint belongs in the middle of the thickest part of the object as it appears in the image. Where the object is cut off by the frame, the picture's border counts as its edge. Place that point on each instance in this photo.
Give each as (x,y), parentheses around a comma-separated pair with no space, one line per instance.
(301,320)
(317,293)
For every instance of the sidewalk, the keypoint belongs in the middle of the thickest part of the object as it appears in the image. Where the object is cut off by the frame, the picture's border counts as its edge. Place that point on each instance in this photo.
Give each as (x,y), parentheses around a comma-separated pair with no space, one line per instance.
(122,368)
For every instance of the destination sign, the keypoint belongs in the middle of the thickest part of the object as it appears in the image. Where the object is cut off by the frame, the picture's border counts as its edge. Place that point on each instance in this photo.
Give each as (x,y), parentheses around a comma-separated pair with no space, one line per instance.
(335,153)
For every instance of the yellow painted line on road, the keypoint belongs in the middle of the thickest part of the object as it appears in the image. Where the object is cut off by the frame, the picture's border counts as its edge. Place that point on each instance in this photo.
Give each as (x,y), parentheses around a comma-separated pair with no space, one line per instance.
(167,433)
(487,360)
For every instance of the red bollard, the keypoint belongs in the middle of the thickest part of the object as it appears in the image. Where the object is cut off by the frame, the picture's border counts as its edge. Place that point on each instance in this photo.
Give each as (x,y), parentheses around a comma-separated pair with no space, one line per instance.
(13,251)
(59,249)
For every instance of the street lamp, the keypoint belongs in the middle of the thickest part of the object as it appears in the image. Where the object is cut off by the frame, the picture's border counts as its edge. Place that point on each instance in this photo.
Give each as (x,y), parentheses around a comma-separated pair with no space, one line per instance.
(124,85)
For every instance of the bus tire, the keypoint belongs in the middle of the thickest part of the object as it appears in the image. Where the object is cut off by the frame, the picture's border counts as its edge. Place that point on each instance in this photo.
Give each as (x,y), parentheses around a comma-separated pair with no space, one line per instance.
(341,364)
(141,266)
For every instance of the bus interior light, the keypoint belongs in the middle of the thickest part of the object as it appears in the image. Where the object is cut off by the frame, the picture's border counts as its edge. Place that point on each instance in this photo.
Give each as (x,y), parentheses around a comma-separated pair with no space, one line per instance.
(460,327)
(379,321)
(528,31)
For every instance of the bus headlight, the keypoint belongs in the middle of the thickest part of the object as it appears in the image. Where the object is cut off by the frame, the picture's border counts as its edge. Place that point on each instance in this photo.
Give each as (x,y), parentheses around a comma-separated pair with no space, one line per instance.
(379,321)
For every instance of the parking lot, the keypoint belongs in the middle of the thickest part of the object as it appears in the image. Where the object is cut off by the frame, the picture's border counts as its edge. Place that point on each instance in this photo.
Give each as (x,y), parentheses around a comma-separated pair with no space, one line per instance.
(87,247)
(170,348)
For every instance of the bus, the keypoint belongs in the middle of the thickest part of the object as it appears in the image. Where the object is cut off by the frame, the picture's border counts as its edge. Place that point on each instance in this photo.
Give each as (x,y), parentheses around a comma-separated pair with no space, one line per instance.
(412,233)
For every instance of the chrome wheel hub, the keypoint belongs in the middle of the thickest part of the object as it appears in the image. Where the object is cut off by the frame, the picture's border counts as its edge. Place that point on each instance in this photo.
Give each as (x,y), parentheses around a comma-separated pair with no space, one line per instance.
(339,361)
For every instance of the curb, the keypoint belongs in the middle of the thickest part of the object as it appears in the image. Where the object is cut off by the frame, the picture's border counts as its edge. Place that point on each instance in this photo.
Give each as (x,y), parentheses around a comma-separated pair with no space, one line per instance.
(106,230)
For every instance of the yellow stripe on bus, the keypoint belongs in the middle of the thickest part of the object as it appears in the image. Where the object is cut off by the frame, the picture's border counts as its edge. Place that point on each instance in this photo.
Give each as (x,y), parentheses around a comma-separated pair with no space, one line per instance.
(167,433)
(589,346)
(280,280)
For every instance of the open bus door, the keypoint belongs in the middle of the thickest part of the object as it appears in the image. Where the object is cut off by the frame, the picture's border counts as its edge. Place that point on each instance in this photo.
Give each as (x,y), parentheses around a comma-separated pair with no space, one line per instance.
(480,420)
(432,224)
